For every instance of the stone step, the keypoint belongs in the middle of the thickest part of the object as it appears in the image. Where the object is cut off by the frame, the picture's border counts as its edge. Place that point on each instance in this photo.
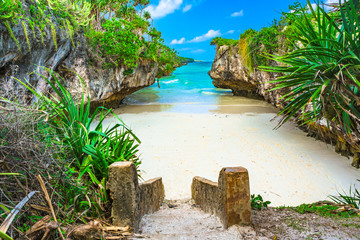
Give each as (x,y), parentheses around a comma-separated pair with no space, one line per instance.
(183,220)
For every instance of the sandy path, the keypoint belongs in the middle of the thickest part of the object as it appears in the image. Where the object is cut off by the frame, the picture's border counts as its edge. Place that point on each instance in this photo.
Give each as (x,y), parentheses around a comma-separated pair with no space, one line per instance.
(285,166)
(187,222)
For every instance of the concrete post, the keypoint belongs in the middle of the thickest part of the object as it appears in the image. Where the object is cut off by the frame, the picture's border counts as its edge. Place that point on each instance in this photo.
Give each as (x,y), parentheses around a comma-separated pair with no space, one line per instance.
(125,194)
(234,196)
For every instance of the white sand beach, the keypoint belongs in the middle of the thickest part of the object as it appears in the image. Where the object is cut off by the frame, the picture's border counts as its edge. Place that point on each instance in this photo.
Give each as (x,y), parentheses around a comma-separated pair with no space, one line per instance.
(285,166)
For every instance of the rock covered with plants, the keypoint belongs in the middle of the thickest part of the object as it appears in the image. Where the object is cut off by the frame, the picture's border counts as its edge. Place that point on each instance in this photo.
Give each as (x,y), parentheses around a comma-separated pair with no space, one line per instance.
(111,45)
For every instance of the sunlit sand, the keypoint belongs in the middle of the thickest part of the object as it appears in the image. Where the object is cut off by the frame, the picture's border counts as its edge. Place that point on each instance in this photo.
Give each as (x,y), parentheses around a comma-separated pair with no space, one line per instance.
(180,141)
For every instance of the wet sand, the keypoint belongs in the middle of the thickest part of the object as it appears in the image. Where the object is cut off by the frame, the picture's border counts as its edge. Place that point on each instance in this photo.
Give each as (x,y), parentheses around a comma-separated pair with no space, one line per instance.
(186,140)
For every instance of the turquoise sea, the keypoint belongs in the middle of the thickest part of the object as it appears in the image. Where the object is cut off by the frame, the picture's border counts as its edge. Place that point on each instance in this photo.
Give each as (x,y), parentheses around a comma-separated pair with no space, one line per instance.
(190,89)
(188,84)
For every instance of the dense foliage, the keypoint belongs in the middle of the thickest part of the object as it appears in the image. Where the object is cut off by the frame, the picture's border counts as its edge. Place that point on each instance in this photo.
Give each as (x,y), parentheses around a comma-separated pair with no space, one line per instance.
(120,31)
(39,15)
(60,139)
(223,41)
(323,72)
(186,60)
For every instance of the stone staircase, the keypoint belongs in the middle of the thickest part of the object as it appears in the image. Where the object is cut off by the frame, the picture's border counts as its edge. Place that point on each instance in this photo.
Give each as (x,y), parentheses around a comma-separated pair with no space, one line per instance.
(219,210)
(183,220)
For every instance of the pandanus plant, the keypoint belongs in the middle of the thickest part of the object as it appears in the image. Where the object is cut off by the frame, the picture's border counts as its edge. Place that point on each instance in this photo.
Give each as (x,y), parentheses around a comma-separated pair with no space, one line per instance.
(322,76)
(93,146)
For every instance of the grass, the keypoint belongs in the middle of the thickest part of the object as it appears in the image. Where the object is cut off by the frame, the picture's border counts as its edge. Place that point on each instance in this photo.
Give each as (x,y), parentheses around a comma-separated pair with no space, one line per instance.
(323,210)
(295,224)
(351,198)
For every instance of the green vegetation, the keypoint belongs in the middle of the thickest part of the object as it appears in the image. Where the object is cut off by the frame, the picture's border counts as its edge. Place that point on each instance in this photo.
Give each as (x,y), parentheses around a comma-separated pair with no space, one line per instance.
(254,46)
(59,138)
(325,210)
(324,72)
(352,198)
(42,14)
(257,202)
(184,60)
(67,145)
(119,32)
(223,41)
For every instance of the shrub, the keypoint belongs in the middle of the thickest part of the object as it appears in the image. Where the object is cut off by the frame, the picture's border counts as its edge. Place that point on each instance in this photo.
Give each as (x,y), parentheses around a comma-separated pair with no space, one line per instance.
(257,202)
(324,72)
(118,42)
(93,146)
(223,41)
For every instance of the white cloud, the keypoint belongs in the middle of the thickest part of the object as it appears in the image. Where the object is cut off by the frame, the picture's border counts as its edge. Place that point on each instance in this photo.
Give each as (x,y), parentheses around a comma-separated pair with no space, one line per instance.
(238,14)
(230,32)
(210,34)
(180,41)
(187,8)
(329,2)
(198,51)
(164,8)
(184,49)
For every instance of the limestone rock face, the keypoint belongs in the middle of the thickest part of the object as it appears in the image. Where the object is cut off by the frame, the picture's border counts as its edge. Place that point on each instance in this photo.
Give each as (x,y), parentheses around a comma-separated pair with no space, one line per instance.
(68,56)
(228,71)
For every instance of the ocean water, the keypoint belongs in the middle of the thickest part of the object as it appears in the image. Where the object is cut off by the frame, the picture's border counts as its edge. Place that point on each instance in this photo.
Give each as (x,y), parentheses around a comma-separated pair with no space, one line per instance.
(189,84)
(189,89)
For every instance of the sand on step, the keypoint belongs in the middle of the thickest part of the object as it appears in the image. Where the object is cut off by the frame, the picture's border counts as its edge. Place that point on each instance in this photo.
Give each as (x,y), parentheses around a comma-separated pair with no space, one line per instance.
(186,222)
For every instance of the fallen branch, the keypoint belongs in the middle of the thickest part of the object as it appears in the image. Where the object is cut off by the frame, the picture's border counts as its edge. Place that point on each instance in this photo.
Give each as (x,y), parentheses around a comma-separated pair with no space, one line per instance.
(8,220)
(42,185)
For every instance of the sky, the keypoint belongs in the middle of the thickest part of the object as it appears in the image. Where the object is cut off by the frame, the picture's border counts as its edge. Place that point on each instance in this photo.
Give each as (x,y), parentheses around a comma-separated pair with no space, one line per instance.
(189,25)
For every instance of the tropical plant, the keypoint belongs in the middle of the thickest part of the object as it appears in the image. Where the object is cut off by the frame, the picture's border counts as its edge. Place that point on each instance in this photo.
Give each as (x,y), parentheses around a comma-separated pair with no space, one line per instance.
(118,42)
(93,146)
(5,236)
(257,202)
(322,73)
(351,198)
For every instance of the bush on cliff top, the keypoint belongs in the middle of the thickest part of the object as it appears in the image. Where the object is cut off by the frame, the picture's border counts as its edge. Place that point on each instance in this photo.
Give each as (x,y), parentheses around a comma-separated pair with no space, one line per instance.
(224,42)
(256,45)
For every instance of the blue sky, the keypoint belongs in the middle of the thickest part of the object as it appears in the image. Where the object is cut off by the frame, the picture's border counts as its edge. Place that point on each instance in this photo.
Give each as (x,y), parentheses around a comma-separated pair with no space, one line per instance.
(189,25)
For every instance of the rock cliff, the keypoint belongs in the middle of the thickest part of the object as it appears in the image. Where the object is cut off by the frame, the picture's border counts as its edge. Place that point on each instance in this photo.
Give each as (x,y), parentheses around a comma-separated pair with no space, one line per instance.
(25,61)
(228,71)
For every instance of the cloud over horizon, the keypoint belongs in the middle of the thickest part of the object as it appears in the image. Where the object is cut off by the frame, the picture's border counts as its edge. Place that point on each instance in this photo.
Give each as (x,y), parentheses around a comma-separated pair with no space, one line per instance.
(210,34)
(238,14)
(164,8)
(230,32)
